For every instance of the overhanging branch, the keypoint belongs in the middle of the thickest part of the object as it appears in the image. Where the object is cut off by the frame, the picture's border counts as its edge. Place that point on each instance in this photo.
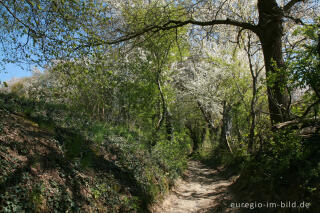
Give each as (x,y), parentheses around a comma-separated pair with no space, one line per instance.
(172,24)
(227,21)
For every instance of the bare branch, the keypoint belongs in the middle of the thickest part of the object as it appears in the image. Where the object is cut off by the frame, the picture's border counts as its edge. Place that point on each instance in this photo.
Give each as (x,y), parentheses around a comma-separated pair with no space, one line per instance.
(20,21)
(205,115)
(298,120)
(296,20)
(309,108)
(285,124)
(290,4)
(219,9)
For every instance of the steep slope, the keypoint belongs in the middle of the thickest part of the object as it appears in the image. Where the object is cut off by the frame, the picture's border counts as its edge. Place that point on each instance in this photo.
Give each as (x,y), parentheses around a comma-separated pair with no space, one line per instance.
(47,168)
(36,174)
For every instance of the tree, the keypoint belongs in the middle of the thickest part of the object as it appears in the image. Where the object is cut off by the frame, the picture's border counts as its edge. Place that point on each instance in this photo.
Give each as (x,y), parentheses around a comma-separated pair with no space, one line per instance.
(218,81)
(37,32)
(304,66)
(269,28)
(81,26)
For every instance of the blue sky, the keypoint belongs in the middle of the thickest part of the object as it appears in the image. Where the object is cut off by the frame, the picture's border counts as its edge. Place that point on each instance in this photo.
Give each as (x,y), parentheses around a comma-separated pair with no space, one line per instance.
(14,71)
(11,71)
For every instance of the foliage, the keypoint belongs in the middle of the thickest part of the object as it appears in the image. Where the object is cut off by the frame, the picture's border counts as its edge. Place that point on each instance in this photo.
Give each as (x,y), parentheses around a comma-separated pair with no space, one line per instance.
(130,90)
(304,62)
(285,149)
(151,175)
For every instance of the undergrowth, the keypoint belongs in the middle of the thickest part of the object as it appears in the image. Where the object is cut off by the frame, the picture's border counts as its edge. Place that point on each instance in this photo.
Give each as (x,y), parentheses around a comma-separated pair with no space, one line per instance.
(101,167)
(286,169)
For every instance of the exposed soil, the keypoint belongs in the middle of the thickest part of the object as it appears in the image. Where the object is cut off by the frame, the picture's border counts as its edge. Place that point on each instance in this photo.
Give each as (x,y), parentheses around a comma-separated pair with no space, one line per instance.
(202,189)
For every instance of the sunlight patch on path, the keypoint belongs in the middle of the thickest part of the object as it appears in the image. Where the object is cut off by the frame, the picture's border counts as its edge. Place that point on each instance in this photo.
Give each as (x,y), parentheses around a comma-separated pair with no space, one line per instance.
(201,190)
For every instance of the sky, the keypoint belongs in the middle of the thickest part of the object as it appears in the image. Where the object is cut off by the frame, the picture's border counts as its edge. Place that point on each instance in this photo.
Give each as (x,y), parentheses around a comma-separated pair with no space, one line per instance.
(11,70)
(14,71)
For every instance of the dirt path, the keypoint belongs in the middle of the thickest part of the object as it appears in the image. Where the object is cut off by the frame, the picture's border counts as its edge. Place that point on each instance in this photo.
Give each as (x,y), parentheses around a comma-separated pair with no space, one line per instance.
(202,189)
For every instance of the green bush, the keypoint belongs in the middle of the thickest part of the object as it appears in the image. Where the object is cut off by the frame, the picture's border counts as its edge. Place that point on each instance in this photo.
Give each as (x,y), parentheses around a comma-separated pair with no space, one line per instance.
(288,162)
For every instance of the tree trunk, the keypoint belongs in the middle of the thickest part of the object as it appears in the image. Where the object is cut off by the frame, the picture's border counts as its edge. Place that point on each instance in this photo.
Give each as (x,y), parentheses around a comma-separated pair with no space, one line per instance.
(207,118)
(197,135)
(194,139)
(270,32)
(254,76)
(318,47)
(252,125)
(169,126)
(226,119)
(164,116)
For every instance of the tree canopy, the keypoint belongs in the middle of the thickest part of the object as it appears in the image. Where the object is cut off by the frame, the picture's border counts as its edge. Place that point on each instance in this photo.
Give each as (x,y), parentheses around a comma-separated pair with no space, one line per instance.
(227,81)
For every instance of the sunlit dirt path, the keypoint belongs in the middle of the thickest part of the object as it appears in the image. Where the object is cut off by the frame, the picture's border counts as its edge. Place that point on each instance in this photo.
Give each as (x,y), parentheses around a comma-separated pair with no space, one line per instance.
(201,189)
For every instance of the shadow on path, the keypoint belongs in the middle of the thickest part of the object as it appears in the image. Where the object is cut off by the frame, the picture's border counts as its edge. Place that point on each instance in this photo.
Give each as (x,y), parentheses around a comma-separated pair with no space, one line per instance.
(201,189)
